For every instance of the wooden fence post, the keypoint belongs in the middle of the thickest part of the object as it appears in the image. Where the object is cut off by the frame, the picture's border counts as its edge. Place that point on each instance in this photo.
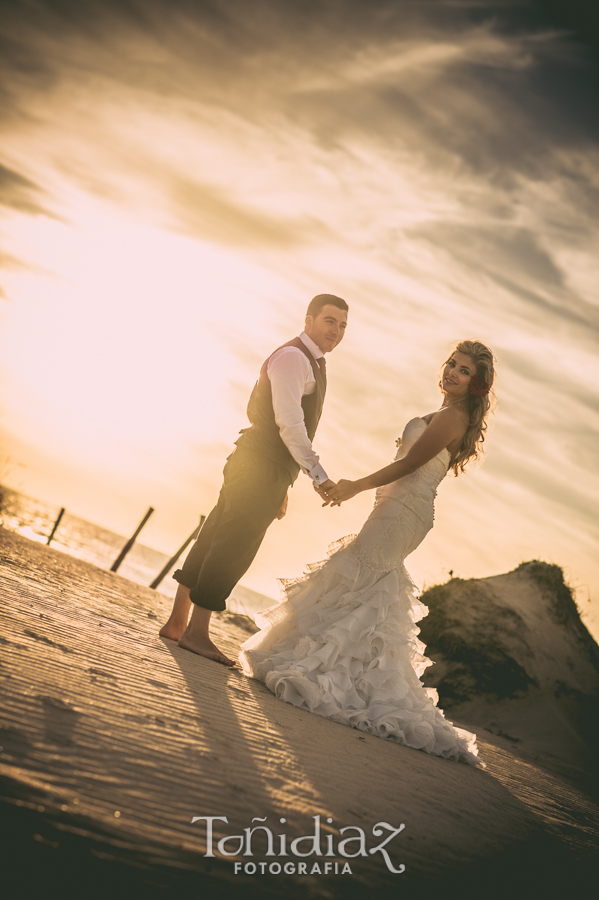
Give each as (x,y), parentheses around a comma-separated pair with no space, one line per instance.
(173,559)
(131,541)
(56,524)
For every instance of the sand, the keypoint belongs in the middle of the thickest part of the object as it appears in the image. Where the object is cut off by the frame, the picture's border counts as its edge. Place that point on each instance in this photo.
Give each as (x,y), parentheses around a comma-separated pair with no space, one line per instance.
(113,739)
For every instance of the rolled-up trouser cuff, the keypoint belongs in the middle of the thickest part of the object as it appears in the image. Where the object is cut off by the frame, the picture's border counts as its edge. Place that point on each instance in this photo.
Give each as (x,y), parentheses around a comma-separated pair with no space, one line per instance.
(194,595)
(179,576)
(198,599)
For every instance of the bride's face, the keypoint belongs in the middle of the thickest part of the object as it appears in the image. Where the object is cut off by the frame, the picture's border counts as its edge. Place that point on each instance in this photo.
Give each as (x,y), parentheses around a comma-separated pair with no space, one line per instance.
(457,373)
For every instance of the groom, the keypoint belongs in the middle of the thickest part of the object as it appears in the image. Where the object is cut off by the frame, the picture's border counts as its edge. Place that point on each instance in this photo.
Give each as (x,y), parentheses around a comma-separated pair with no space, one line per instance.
(284,409)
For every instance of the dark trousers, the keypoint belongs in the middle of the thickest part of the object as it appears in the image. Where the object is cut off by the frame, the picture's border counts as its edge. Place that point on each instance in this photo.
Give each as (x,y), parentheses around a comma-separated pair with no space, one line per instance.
(249,501)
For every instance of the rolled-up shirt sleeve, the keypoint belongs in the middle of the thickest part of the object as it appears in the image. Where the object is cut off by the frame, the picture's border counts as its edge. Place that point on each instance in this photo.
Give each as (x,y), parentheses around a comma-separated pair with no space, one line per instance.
(289,372)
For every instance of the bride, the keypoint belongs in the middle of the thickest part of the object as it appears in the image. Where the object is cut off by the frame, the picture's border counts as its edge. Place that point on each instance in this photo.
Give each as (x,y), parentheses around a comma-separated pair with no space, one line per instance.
(343,641)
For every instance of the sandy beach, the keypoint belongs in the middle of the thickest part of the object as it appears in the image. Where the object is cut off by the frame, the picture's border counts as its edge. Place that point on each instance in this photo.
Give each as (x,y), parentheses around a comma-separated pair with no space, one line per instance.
(113,739)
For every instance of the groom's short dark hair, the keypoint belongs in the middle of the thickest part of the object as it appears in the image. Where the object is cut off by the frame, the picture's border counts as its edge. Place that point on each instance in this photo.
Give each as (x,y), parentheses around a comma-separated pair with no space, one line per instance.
(316,304)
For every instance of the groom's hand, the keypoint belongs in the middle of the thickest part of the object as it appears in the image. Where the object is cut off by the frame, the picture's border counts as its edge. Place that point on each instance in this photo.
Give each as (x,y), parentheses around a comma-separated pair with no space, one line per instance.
(323,489)
(283,508)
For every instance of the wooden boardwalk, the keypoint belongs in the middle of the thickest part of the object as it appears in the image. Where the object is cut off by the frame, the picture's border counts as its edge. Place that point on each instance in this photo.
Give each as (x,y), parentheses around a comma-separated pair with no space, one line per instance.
(112,739)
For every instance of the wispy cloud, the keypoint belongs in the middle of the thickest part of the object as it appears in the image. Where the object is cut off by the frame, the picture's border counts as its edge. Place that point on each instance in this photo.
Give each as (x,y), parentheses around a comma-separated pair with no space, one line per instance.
(18,192)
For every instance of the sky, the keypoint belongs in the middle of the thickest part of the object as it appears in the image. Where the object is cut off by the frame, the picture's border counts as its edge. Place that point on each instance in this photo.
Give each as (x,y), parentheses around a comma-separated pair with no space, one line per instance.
(178,180)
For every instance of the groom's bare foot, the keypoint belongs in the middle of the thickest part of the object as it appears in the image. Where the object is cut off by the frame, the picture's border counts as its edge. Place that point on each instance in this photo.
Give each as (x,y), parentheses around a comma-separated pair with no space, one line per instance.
(172,631)
(177,621)
(197,637)
(205,647)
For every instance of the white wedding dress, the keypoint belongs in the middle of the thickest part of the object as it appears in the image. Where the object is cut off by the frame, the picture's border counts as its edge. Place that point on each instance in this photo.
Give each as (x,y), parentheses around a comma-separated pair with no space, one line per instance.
(343,641)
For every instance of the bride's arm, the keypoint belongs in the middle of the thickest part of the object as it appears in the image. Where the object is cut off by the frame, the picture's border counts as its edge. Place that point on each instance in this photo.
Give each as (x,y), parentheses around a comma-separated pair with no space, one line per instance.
(446,426)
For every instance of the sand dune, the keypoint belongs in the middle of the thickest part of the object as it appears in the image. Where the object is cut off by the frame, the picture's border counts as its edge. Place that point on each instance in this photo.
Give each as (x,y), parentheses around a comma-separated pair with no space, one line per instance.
(513,656)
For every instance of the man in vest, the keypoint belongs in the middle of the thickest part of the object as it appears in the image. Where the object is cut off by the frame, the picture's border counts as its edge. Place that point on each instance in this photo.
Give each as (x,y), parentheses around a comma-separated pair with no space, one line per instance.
(284,410)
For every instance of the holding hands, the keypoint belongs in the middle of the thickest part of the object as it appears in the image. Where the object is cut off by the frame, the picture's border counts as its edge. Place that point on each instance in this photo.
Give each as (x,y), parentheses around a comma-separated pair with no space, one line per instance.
(334,494)
(343,490)
(323,489)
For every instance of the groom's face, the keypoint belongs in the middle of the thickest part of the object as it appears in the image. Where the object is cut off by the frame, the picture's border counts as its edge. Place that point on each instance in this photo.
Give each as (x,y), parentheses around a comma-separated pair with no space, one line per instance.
(327,328)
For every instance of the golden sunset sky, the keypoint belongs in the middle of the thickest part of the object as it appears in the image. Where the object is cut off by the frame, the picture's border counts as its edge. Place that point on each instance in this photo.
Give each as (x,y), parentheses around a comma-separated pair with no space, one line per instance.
(177,180)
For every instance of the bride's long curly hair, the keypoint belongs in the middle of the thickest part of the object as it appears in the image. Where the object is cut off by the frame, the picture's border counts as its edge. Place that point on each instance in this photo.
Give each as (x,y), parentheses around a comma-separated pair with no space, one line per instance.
(478,406)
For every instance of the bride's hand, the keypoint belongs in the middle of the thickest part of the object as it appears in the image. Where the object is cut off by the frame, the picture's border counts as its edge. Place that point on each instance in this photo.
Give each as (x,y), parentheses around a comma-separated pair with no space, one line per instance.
(343,490)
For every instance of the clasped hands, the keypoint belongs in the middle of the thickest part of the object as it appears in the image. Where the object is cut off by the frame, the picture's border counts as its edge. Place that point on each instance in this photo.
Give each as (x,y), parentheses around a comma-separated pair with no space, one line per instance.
(333,493)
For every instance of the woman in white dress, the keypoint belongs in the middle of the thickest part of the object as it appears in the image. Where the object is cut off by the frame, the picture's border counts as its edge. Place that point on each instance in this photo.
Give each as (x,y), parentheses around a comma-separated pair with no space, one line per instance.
(343,641)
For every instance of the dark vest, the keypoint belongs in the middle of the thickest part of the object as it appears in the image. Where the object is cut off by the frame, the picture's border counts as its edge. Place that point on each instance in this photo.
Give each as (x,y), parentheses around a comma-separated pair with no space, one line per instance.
(263,437)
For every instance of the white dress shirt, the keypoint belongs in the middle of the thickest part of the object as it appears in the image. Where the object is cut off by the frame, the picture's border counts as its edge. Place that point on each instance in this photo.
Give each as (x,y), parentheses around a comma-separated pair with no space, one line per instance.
(291,378)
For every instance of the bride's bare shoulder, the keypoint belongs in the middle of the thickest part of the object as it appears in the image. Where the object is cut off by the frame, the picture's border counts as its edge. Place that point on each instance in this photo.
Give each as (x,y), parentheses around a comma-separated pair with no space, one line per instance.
(449,414)
(440,412)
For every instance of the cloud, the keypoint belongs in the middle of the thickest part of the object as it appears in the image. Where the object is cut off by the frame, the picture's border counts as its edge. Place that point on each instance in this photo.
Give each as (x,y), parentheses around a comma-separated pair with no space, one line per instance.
(206,212)
(548,373)
(18,192)
(497,249)
(514,259)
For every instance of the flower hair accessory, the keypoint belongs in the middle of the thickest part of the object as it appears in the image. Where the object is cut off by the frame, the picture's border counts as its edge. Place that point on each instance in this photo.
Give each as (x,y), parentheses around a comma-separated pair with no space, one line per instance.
(478,387)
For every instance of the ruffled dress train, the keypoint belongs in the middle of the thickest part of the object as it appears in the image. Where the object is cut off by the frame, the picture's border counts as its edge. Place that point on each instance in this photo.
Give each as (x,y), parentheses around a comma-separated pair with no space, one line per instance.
(343,641)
